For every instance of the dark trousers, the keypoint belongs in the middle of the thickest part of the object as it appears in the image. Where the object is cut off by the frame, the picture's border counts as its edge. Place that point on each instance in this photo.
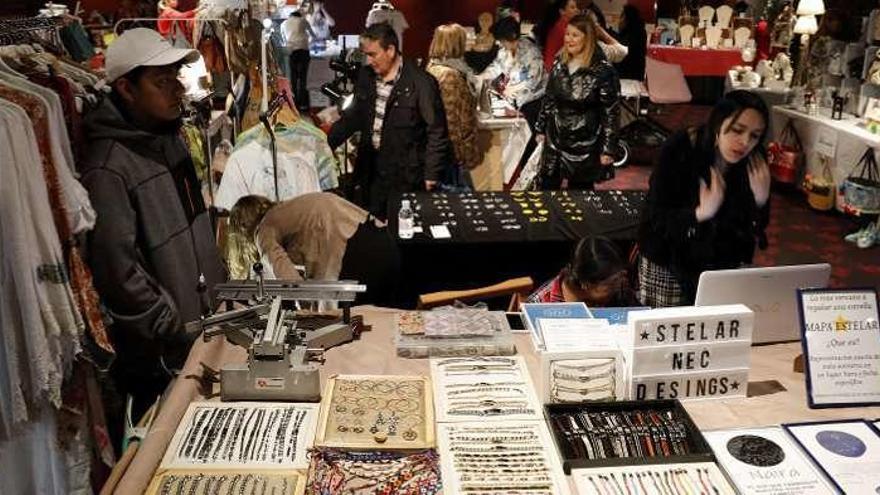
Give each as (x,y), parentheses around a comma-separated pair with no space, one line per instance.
(299,73)
(373,258)
(530,112)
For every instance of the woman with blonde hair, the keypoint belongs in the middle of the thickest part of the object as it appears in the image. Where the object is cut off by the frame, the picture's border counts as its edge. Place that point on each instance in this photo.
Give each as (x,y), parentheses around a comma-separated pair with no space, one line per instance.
(578,119)
(458,91)
(330,237)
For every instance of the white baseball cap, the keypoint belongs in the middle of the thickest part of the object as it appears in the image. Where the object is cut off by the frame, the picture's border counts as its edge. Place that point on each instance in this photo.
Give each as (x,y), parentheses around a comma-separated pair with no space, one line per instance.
(143,47)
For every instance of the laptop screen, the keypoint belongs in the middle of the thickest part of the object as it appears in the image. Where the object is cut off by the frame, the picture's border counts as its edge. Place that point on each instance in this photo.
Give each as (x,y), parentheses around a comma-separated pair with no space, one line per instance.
(771,292)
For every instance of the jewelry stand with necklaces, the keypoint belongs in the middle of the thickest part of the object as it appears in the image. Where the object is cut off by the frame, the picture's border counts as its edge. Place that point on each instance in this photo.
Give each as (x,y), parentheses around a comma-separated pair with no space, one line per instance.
(484,388)
(377,412)
(583,376)
(500,457)
(227,482)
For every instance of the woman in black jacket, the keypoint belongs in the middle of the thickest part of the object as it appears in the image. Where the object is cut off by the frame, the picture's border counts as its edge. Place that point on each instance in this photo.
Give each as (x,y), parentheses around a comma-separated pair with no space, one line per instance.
(579,115)
(708,203)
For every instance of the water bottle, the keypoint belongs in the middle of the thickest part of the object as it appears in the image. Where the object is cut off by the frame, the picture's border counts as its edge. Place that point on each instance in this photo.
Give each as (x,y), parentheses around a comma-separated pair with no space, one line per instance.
(405,220)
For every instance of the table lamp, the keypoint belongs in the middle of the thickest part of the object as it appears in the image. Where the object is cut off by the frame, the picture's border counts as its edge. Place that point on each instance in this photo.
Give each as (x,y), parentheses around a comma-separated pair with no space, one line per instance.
(805,26)
(811,7)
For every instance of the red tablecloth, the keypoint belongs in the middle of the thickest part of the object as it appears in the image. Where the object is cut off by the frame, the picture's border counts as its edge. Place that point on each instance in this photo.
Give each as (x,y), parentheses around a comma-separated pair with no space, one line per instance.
(697,62)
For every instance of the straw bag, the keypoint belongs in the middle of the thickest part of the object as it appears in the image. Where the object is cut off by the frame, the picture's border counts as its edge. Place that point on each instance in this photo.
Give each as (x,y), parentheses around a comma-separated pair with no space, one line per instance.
(785,155)
(862,192)
(821,190)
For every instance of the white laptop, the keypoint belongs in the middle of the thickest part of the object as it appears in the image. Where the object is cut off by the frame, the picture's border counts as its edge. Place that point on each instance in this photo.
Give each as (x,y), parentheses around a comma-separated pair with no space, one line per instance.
(769,291)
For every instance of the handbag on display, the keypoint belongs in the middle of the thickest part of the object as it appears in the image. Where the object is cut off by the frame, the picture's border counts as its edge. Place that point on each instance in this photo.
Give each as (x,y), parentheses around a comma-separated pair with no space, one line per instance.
(820,190)
(785,155)
(861,190)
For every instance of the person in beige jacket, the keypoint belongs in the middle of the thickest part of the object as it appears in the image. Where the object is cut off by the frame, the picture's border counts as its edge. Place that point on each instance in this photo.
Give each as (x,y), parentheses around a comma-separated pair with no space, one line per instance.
(333,239)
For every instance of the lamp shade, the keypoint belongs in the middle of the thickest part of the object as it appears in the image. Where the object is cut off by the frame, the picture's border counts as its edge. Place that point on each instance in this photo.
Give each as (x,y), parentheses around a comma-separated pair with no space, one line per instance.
(811,7)
(806,24)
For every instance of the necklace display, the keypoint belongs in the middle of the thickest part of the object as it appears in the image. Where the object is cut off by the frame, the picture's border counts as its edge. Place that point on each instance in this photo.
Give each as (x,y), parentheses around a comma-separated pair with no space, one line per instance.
(387,411)
(676,479)
(187,482)
(484,387)
(334,472)
(503,457)
(243,434)
(582,380)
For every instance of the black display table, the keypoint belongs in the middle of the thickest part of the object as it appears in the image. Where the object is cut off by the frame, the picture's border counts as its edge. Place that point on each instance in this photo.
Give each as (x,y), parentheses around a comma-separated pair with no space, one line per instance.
(501,235)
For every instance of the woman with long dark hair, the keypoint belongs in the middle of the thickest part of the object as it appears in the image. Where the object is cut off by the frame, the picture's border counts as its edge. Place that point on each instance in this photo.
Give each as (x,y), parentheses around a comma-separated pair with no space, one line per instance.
(579,116)
(550,33)
(708,203)
(633,36)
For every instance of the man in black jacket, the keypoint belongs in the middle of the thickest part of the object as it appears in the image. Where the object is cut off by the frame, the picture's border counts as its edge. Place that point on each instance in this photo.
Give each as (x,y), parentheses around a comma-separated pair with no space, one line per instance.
(397,107)
(152,251)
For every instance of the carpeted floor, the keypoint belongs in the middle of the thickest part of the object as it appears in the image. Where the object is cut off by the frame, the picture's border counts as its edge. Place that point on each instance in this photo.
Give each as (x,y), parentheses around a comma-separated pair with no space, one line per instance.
(796,234)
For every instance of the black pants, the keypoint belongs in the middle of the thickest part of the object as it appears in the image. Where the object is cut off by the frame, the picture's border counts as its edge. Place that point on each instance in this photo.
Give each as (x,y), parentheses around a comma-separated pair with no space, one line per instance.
(299,74)
(530,112)
(373,258)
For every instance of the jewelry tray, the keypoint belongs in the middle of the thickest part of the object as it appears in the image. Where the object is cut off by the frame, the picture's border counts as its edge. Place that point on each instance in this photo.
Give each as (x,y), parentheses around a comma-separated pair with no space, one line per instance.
(449,389)
(299,460)
(698,448)
(452,478)
(375,434)
(296,480)
(420,346)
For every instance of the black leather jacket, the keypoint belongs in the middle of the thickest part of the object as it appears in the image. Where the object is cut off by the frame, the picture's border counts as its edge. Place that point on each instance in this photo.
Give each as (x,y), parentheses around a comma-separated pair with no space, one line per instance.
(415,142)
(579,114)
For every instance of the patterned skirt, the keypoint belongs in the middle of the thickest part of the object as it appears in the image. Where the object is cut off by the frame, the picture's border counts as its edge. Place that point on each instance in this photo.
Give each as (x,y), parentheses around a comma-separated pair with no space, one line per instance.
(658,286)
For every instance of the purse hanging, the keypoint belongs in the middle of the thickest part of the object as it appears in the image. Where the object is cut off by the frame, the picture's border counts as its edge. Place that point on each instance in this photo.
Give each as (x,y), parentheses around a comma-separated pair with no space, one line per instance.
(821,190)
(862,190)
(785,155)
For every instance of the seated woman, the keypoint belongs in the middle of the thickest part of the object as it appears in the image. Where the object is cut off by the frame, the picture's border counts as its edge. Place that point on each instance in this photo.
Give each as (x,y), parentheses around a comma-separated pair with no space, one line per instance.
(331,237)
(596,275)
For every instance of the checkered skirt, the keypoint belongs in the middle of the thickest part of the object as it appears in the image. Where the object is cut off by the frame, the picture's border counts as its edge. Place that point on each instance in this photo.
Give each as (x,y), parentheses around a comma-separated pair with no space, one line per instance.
(659,287)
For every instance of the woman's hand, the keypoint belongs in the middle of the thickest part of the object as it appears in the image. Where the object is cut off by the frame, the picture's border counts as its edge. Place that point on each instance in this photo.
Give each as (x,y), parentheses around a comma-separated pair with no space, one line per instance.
(606,160)
(539,138)
(759,179)
(711,196)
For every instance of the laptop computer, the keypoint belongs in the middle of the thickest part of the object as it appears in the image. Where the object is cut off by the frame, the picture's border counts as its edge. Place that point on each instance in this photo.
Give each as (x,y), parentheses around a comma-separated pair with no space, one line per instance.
(768,291)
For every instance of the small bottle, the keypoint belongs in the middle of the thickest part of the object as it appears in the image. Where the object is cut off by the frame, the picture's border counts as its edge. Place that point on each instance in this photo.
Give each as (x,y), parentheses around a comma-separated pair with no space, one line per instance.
(405,220)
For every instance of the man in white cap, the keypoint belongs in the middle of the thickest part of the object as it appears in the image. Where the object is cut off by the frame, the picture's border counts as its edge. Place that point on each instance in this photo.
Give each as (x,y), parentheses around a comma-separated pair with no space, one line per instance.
(152,251)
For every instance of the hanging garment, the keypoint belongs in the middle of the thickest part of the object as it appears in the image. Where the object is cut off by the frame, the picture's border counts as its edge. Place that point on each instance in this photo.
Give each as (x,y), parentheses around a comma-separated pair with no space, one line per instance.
(305,164)
(81,215)
(37,310)
(76,42)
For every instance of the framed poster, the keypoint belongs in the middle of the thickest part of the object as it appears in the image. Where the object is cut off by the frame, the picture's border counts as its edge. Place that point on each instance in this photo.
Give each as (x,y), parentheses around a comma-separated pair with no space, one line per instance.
(840,335)
(765,461)
(847,451)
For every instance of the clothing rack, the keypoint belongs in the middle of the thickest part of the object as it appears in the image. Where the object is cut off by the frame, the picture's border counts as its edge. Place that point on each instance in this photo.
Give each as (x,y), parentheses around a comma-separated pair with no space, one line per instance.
(265,117)
(18,31)
(156,19)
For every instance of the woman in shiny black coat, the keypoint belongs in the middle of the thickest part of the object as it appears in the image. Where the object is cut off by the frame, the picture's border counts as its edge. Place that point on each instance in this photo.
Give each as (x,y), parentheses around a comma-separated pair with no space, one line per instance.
(579,116)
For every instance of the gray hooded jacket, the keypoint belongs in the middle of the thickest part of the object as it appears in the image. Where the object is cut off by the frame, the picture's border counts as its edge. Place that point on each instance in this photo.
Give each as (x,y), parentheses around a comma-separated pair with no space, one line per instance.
(152,240)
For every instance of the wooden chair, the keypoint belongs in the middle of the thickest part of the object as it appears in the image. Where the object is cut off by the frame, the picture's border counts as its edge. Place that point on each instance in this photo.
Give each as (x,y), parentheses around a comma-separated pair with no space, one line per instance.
(518,288)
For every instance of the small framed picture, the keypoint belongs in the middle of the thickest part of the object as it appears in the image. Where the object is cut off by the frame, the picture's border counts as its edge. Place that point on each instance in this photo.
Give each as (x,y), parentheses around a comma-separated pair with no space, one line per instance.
(847,451)
(872,109)
(840,335)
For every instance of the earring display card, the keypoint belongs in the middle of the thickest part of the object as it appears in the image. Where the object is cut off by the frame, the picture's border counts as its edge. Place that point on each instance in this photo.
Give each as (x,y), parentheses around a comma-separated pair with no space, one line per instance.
(484,388)
(848,452)
(499,457)
(258,435)
(377,411)
(226,482)
(583,376)
(623,433)
(766,461)
(665,479)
